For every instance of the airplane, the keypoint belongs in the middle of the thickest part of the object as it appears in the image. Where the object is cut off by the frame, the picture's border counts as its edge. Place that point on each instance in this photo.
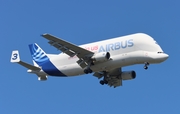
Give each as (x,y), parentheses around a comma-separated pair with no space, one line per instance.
(104,59)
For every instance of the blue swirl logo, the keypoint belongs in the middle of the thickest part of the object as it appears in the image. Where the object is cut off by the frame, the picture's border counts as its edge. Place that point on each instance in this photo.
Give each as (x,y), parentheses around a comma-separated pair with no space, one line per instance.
(38,54)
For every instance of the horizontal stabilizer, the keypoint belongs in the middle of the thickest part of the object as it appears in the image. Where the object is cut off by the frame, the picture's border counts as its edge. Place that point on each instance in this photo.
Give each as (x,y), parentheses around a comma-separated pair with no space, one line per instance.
(29,66)
(15,58)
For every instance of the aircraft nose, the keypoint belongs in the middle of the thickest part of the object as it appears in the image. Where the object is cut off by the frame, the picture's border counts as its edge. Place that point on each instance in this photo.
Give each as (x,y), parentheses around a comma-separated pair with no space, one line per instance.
(165,56)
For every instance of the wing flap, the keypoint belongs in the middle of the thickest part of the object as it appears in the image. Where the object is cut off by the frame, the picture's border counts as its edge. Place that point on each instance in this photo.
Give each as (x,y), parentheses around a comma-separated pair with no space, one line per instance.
(62,48)
(98,75)
(112,76)
(81,63)
(115,82)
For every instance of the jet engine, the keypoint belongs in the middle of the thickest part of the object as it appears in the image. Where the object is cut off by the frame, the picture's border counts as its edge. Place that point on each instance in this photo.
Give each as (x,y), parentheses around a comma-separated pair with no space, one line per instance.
(128,75)
(103,56)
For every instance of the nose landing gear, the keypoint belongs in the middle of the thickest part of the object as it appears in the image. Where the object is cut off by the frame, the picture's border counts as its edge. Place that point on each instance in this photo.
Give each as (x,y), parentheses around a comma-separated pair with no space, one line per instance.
(146,65)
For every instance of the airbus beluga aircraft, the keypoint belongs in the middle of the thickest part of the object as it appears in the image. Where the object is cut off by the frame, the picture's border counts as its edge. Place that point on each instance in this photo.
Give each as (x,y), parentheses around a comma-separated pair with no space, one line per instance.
(104,58)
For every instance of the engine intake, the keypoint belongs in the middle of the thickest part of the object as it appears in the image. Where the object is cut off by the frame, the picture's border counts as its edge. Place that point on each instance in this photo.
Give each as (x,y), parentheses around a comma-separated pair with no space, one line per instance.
(103,56)
(128,75)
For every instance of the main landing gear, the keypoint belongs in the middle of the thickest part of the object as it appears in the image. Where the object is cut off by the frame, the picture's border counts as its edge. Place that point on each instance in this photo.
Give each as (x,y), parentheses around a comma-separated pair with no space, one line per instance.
(146,65)
(102,82)
(87,70)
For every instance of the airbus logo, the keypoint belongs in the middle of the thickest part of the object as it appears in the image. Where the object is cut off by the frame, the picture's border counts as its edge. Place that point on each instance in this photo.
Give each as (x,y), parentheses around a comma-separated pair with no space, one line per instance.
(116,46)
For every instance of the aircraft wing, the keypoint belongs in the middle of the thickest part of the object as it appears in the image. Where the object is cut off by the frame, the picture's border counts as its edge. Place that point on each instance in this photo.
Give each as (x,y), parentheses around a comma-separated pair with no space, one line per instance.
(115,82)
(70,49)
(112,76)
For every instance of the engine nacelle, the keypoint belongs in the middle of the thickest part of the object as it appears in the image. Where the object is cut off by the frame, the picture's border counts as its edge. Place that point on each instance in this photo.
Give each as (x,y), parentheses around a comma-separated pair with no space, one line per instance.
(103,56)
(128,75)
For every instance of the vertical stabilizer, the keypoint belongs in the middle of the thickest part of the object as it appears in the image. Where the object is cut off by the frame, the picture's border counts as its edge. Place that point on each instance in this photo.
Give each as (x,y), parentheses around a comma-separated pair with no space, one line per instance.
(41,59)
(38,55)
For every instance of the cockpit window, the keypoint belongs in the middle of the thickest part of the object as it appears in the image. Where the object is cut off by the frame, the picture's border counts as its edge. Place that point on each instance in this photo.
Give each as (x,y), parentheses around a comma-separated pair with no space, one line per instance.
(160,52)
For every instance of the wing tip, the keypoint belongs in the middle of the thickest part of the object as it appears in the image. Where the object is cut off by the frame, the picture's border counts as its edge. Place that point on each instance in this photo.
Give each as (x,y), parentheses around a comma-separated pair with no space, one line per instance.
(15,58)
(45,34)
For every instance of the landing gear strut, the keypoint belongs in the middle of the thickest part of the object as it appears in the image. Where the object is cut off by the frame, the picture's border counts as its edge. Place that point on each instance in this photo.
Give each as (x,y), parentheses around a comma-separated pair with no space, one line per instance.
(104,81)
(87,69)
(146,65)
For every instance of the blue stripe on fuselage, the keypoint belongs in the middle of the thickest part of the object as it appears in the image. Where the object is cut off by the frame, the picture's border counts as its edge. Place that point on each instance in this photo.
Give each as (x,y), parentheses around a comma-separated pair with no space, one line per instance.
(50,69)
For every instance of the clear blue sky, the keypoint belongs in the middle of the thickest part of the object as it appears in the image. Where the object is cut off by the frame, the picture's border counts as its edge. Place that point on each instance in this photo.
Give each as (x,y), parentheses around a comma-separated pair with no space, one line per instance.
(155,91)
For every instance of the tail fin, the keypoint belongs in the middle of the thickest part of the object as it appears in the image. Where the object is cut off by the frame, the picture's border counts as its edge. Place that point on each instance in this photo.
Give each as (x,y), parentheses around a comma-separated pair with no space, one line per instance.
(43,60)
(38,55)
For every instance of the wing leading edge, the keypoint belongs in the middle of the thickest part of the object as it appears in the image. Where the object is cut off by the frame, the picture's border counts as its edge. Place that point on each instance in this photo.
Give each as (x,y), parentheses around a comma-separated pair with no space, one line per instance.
(70,49)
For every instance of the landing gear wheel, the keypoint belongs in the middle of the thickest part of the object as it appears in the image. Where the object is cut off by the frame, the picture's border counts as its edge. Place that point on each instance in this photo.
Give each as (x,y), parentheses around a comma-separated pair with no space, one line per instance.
(105,82)
(146,65)
(88,70)
(102,82)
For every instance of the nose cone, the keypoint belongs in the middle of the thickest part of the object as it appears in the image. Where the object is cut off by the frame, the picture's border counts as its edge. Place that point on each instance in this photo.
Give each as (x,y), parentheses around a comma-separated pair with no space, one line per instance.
(158,57)
(165,56)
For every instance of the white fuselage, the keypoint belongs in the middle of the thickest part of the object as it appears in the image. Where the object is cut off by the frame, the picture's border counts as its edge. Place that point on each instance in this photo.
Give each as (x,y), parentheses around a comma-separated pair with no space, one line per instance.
(124,51)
